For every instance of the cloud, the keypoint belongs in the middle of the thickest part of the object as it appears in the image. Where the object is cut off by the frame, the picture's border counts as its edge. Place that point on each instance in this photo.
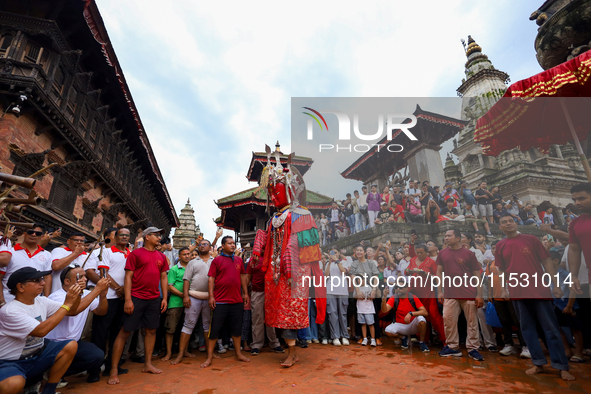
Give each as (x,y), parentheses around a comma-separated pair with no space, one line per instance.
(213,80)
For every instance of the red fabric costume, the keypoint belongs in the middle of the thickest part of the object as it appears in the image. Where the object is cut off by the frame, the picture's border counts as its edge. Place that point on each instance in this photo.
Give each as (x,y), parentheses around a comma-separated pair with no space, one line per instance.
(290,252)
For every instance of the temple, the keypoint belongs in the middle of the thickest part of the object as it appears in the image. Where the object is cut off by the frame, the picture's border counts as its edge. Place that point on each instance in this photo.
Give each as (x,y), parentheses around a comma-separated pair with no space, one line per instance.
(422,156)
(542,179)
(64,100)
(187,231)
(246,212)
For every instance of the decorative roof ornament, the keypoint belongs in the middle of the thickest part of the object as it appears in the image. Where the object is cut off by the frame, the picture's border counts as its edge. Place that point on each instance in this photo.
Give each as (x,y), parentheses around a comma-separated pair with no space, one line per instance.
(473,47)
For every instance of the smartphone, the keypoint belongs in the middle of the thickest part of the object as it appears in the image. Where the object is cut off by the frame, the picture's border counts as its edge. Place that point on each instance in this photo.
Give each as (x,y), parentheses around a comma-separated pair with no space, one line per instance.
(332,253)
(413,231)
(77,277)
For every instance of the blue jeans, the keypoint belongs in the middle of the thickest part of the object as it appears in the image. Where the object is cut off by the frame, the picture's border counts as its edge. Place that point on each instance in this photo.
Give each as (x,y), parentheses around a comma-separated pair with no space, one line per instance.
(351,221)
(312,317)
(542,310)
(358,222)
(518,221)
(304,334)
(532,221)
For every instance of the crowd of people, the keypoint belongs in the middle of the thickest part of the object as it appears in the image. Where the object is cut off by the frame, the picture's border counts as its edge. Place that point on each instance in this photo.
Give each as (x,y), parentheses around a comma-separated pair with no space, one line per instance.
(423,203)
(148,299)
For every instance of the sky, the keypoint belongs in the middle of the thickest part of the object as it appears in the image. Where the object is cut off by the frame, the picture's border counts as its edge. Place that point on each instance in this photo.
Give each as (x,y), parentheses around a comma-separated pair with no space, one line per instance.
(213,81)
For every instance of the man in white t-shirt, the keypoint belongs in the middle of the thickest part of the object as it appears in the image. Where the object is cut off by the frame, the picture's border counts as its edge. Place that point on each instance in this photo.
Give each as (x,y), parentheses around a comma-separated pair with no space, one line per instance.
(24,322)
(106,328)
(27,254)
(88,357)
(413,190)
(71,255)
(337,297)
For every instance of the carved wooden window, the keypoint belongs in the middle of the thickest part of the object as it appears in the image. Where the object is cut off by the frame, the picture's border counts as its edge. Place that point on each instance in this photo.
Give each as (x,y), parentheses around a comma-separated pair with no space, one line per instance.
(58,80)
(5,42)
(33,53)
(62,197)
(84,116)
(87,218)
(72,99)
(92,133)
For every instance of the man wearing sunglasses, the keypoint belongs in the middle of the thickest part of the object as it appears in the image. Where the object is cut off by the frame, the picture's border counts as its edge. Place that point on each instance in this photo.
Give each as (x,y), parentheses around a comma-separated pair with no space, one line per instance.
(71,255)
(27,254)
(24,323)
(145,271)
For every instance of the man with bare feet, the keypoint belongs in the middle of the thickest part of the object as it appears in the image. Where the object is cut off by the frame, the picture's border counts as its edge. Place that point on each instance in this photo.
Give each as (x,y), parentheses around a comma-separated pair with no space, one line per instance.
(145,270)
(226,277)
(196,297)
(524,256)
(175,303)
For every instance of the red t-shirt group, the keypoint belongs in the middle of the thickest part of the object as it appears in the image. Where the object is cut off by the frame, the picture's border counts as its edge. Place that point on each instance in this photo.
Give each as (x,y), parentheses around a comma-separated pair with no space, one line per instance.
(457,263)
(579,232)
(404,306)
(523,256)
(227,284)
(147,266)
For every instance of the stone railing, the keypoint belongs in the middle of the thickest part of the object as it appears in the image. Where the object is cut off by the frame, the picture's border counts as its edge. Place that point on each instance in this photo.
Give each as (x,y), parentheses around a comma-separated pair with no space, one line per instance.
(400,232)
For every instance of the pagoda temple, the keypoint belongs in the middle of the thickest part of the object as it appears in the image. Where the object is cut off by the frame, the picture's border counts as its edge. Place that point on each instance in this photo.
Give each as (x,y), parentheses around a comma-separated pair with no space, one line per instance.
(186,233)
(421,156)
(246,212)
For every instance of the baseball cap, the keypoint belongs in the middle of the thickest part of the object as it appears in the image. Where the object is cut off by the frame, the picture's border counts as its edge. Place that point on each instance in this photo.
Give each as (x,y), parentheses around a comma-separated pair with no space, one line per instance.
(151,230)
(24,274)
(384,203)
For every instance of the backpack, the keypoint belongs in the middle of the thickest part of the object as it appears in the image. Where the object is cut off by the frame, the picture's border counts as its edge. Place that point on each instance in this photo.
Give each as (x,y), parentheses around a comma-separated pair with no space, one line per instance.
(411,299)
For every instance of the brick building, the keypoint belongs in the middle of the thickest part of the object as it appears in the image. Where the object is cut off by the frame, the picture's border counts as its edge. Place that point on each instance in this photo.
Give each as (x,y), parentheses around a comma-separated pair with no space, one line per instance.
(64,100)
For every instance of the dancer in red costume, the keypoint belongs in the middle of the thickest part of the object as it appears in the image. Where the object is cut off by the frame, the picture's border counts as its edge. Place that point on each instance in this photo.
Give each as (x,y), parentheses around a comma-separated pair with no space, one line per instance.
(290,253)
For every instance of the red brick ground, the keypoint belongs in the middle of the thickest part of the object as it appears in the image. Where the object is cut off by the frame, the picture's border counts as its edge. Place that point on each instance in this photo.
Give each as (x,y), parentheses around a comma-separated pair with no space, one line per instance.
(352,369)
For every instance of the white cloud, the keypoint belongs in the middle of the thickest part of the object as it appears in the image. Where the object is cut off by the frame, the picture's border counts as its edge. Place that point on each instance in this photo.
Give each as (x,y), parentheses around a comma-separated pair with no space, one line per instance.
(213,80)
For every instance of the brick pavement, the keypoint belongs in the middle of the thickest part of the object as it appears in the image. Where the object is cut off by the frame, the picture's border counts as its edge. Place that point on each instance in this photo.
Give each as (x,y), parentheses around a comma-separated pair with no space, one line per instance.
(352,369)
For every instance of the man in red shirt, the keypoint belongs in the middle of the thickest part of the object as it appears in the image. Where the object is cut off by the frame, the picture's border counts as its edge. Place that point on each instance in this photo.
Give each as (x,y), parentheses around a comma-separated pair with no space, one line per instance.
(145,272)
(409,319)
(226,278)
(459,272)
(519,258)
(580,233)
(421,271)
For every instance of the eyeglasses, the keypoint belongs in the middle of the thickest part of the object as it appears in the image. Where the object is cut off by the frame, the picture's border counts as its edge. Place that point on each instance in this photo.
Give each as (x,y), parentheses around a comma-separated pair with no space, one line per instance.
(37,280)
(156,235)
(33,232)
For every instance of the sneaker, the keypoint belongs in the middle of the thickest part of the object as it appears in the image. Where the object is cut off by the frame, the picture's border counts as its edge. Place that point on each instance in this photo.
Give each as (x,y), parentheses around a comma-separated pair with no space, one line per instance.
(525,352)
(336,342)
(278,349)
(373,342)
(397,342)
(480,348)
(404,343)
(448,352)
(254,352)
(303,344)
(507,350)
(315,341)
(424,347)
(414,340)
(364,343)
(345,341)
(475,355)
(309,341)
(490,235)
(493,349)
(226,346)
(220,348)
(325,342)
(32,389)
(62,383)
(202,349)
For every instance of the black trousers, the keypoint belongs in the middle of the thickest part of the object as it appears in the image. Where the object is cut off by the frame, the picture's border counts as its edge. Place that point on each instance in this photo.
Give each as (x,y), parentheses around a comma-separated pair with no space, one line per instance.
(88,357)
(509,319)
(585,315)
(105,328)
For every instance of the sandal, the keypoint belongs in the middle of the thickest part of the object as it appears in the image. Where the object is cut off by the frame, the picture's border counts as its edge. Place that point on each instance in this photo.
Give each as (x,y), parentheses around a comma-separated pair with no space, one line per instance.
(576,360)
(378,342)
